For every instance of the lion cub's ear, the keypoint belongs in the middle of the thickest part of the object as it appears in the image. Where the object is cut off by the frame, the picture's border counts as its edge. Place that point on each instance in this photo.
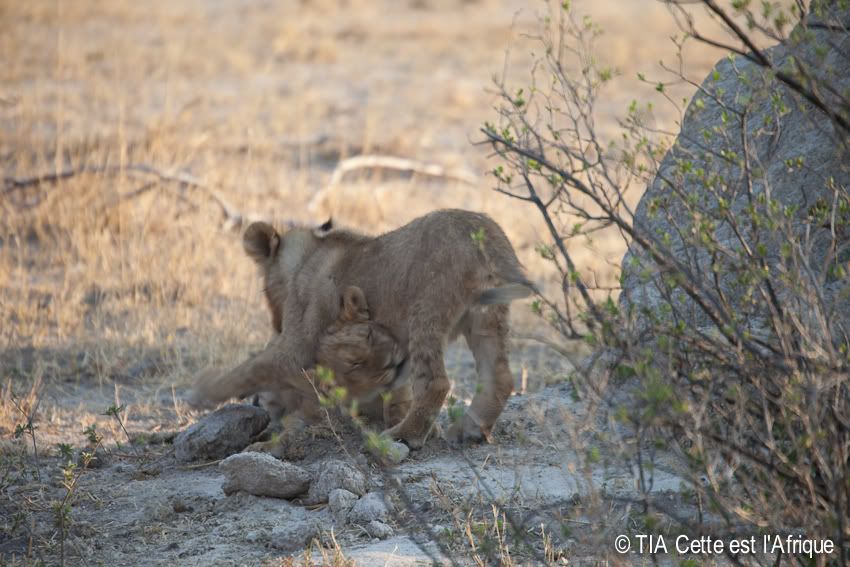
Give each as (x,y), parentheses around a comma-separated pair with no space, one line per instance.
(261,241)
(354,306)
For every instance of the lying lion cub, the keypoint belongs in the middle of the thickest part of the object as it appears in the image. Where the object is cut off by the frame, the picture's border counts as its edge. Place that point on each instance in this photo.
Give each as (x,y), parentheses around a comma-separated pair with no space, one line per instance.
(365,359)
(445,274)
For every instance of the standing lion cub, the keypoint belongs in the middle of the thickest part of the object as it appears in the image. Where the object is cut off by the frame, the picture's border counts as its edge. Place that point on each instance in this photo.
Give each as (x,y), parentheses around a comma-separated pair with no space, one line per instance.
(447,273)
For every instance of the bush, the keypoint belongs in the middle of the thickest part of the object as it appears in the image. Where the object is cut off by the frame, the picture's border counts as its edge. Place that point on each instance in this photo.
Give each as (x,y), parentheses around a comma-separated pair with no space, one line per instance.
(728,345)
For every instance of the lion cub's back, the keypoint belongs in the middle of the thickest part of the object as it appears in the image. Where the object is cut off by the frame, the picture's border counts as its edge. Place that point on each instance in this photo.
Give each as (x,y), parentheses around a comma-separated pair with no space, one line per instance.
(452,228)
(456,241)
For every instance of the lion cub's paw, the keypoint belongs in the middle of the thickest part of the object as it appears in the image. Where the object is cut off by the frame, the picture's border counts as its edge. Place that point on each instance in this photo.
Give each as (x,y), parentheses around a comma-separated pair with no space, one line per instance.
(413,437)
(465,430)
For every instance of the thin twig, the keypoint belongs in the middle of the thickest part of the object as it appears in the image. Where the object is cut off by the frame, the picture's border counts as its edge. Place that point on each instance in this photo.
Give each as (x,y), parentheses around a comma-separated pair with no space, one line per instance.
(200,465)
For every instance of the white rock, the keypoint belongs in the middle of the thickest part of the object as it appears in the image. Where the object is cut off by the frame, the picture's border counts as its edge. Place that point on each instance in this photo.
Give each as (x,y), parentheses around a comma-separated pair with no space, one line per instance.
(158,511)
(390,452)
(397,453)
(334,474)
(294,536)
(379,530)
(340,502)
(370,507)
(261,474)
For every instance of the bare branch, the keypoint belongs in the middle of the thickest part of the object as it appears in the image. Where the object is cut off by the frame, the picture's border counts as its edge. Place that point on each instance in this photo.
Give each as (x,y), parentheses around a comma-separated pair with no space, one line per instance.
(232,216)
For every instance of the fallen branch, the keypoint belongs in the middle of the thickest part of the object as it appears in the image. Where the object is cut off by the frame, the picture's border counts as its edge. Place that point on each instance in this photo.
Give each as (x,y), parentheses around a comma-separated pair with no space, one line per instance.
(398,164)
(385,162)
(233,218)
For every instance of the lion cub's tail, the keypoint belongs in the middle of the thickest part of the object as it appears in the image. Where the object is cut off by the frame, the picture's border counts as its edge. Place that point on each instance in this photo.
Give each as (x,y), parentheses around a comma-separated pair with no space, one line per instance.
(505,293)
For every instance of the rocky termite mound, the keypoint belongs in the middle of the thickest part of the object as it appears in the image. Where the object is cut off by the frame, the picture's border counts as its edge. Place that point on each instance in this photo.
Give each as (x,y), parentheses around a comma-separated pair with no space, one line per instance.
(755,169)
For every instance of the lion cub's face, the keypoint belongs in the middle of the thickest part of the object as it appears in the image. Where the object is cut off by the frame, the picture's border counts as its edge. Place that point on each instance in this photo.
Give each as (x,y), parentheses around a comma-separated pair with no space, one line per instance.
(364,355)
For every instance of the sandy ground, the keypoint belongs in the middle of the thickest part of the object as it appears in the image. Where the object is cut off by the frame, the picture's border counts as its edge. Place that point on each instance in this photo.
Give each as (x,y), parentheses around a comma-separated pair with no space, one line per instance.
(143,507)
(115,289)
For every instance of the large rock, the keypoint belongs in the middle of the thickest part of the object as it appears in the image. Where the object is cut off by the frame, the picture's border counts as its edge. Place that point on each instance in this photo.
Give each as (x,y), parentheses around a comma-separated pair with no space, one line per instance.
(263,475)
(333,474)
(795,156)
(393,454)
(220,434)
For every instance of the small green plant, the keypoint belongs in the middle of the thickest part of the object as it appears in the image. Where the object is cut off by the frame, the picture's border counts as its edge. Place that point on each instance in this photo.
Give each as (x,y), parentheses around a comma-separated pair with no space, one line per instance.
(66,451)
(92,435)
(455,409)
(71,475)
(115,412)
(28,428)
(479,237)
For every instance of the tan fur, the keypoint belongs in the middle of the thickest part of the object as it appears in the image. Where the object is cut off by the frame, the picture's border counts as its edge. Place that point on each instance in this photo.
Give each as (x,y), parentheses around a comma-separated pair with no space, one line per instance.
(364,358)
(425,282)
(363,355)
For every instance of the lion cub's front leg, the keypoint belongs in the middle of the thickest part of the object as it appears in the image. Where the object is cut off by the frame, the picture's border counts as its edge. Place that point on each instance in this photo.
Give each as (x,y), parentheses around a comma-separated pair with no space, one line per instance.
(430,387)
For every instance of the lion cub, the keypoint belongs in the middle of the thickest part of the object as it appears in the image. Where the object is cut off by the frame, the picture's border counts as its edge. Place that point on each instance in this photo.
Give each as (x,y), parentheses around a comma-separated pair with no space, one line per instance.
(365,359)
(445,274)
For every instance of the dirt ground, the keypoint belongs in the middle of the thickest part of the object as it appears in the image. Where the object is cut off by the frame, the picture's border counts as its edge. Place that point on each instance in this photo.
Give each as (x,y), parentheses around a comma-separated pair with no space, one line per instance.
(119,283)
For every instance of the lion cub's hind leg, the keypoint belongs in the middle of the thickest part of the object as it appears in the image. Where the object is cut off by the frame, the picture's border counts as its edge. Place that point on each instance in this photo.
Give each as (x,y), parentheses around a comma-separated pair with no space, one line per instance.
(486,332)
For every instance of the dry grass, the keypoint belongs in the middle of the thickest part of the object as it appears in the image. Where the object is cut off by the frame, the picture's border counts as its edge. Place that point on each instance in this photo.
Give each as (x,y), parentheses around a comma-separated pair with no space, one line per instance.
(261,114)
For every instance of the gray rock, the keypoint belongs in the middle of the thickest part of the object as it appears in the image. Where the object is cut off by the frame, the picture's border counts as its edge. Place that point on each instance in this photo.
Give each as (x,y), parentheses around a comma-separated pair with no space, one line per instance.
(369,508)
(340,502)
(122,468)
(389,452)
(220,434)
(379,530)
(396,453)
(334,474)
(776,140)
(261,474)
(295,535)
